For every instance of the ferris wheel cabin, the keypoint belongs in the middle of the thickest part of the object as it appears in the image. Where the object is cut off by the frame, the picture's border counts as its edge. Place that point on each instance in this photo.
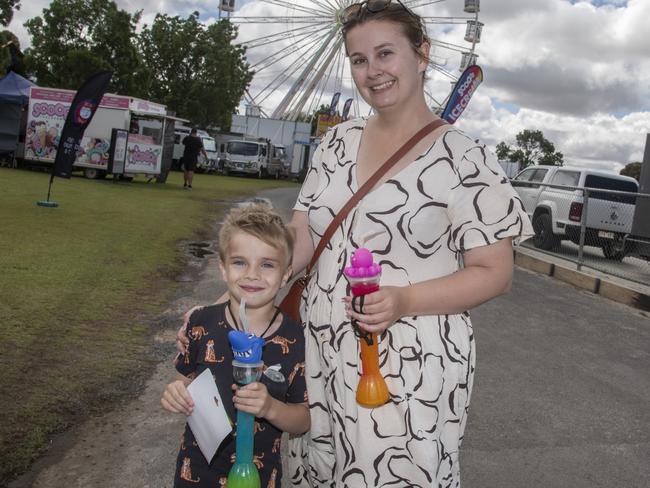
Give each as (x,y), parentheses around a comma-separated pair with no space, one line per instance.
(472,6)
(229,5)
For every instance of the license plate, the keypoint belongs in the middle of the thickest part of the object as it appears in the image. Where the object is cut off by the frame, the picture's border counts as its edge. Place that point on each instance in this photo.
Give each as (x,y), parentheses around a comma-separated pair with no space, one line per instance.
(605,235)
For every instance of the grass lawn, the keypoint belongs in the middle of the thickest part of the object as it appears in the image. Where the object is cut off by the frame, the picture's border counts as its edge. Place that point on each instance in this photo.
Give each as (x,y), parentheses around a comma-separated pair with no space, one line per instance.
(79,288)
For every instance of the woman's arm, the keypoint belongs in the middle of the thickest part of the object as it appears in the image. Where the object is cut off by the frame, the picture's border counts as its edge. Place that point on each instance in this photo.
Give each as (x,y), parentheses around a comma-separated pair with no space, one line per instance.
(303,247)
(487,274)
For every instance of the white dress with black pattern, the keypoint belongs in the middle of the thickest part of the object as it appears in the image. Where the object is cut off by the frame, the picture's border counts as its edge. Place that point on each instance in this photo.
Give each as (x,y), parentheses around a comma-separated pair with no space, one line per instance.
(452,198)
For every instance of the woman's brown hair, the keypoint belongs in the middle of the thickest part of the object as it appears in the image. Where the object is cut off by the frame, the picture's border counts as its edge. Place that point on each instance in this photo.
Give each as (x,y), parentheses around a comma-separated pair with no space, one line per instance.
(411,23)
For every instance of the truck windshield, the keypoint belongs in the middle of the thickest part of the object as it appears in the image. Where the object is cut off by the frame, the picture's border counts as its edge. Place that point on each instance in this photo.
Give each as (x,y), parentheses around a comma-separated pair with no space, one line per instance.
(209,144)
(243,148)
(604,183)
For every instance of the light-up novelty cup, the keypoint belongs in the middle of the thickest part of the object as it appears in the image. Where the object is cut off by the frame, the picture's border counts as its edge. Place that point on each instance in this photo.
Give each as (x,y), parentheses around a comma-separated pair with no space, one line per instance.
(247,367)
(363,275)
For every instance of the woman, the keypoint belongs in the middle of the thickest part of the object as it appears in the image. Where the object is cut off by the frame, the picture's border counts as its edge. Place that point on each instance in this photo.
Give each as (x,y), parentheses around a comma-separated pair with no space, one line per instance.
(441,224)
(445,203)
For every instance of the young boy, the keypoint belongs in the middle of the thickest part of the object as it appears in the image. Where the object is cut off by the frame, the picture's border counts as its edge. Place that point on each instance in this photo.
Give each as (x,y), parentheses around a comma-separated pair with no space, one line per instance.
(255,251)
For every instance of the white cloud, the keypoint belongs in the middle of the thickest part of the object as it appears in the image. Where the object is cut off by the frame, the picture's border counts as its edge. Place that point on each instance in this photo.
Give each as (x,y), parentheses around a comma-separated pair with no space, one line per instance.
(577,70)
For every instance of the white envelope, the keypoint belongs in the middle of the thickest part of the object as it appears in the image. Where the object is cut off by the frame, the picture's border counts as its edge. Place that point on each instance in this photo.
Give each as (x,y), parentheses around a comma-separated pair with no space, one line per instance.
(209,421)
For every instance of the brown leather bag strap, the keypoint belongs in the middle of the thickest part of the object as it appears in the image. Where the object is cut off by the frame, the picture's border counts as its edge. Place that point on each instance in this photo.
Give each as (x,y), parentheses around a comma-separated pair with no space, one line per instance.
(367,186)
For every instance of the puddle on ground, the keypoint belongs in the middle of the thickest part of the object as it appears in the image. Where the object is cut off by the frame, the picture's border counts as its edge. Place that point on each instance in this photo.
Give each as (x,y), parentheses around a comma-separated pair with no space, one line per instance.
(199,249)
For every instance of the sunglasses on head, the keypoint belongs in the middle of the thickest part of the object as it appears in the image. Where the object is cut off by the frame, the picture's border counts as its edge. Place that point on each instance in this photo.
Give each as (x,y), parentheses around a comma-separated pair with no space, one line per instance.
(353,11)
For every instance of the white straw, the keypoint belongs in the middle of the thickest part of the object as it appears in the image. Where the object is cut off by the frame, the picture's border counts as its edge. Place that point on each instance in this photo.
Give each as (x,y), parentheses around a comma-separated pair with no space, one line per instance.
(242,315)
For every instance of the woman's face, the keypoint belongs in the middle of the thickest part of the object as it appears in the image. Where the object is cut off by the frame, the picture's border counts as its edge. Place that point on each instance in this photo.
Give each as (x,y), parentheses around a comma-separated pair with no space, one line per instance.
(385,68)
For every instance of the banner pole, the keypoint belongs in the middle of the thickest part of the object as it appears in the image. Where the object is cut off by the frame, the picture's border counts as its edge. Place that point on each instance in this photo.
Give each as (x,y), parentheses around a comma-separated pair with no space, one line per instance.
(47,203)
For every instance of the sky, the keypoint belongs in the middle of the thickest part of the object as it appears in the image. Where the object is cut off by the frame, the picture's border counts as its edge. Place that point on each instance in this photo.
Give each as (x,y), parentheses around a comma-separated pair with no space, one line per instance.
(579,71)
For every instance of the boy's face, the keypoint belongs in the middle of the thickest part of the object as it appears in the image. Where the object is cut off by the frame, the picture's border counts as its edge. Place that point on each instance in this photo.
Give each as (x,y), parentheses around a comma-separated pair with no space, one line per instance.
(254,270)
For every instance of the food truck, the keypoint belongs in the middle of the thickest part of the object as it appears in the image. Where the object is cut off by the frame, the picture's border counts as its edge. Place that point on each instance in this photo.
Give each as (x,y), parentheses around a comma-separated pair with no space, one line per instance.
(146,123)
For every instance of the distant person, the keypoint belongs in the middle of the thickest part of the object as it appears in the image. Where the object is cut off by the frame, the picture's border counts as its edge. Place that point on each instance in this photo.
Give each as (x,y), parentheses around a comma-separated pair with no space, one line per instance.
(193,146)
(255,251)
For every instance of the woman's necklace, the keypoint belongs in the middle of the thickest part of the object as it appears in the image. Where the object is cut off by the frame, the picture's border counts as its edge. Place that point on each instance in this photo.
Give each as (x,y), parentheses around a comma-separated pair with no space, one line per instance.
(268,327)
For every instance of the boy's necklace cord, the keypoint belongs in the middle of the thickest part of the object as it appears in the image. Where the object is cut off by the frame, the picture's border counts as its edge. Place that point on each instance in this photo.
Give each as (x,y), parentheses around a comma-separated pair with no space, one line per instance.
(268,327)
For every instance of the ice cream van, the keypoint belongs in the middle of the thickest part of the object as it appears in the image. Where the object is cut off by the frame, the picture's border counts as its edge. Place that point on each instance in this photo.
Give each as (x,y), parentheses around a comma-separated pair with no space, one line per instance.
(146,123)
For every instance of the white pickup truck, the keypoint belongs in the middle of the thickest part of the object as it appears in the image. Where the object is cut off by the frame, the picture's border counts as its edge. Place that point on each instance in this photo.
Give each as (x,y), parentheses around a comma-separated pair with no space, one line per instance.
(554,200)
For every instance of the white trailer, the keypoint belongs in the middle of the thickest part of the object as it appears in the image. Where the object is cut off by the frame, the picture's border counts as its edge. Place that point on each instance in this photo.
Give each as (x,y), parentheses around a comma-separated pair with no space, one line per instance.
(145,121)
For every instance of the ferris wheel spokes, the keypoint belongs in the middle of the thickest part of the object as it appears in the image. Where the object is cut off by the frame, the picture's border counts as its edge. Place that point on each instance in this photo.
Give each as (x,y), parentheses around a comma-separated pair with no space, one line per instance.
(288,72)
(294,6)
(280,36)
(315,78)
(301,79)
(300,42)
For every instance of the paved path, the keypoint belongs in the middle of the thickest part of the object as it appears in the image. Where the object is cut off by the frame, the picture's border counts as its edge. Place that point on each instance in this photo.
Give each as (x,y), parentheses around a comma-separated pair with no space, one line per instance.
(561,398)
(562,391)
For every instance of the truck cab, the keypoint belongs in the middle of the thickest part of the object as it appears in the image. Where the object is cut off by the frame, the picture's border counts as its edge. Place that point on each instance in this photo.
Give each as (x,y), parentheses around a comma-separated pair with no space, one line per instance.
(257,157)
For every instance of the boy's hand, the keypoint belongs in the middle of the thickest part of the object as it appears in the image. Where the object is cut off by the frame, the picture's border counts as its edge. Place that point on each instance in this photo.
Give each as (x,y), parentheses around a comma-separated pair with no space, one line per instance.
(253,398)
(177,399)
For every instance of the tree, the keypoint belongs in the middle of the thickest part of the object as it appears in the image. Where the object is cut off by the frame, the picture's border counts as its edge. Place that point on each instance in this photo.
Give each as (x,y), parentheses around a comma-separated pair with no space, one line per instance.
(194,69)
(7,8)
(11,58)
(531,148)
(503,151)
(76,38)
(633,170)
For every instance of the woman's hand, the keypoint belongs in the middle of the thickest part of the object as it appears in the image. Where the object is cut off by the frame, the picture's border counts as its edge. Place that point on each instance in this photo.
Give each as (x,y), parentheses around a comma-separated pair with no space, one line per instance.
(182,340)
(253,398)
(380,309)
(177,399)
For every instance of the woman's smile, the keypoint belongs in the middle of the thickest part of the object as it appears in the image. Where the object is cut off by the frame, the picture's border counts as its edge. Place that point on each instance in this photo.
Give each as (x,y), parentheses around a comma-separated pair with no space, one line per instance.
(383,86)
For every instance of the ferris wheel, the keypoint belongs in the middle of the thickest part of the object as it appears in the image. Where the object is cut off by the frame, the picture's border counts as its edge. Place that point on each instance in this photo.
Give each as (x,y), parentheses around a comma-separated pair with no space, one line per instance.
(296,51)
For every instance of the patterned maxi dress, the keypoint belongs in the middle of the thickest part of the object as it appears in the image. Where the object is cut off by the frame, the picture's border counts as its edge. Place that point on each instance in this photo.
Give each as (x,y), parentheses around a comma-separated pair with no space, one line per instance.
(452,198)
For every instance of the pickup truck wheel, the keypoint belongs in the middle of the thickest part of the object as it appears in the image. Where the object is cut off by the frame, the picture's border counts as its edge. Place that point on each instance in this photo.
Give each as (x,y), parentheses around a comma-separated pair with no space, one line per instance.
(544,237)
(615,249)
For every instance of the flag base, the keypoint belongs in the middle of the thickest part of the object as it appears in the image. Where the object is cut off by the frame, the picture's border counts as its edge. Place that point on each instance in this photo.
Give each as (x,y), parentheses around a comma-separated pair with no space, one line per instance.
(47,203)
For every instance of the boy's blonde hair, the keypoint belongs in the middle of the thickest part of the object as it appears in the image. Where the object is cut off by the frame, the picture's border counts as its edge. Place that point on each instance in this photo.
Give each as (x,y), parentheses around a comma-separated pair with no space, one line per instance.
(260,221)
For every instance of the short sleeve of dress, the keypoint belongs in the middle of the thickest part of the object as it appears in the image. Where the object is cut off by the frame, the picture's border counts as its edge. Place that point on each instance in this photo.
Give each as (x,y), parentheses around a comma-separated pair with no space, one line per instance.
(483,206)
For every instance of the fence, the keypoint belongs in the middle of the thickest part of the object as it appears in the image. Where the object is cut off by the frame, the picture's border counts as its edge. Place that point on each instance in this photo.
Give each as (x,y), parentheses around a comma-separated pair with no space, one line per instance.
(605,230)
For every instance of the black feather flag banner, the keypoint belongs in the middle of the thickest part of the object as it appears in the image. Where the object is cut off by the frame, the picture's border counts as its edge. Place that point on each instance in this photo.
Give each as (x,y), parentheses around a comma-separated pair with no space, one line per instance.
(81,113)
